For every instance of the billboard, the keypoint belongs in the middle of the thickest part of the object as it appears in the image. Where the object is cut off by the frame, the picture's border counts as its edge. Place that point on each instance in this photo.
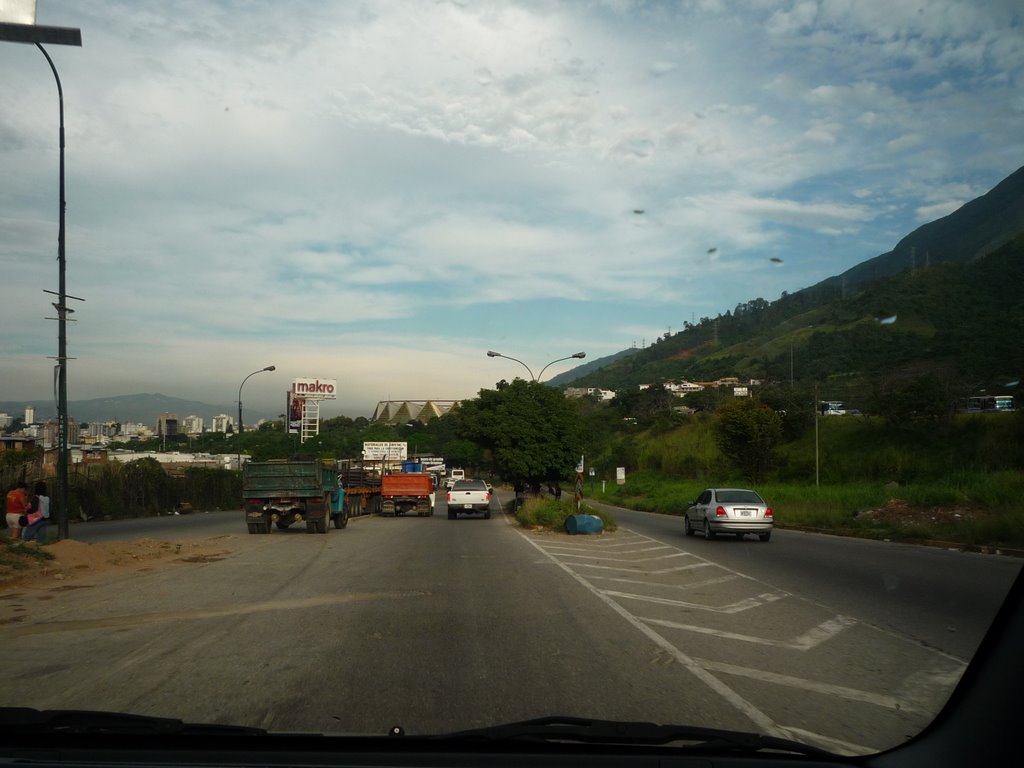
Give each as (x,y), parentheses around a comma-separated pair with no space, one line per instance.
(315,389)
(379,451)
(294,413)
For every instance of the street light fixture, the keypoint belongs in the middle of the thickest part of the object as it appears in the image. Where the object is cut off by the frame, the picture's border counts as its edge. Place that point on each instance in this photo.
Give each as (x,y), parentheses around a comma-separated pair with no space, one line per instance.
(240,427)
(21,28)
(578,355)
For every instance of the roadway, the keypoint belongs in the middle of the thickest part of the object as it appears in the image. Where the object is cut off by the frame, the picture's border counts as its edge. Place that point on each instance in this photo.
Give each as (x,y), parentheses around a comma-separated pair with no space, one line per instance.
(436,625)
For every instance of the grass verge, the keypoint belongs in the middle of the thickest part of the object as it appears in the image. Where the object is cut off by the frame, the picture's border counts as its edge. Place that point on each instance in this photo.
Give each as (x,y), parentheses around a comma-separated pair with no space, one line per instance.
(984,511)
(550,514)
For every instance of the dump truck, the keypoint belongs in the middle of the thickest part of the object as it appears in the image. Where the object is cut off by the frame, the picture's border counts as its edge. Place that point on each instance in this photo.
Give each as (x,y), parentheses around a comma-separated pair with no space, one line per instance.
(407,493)
(284,493)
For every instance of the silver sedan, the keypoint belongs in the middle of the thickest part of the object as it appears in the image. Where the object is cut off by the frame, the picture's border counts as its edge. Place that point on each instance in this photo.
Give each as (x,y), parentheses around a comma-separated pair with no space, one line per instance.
(729,510)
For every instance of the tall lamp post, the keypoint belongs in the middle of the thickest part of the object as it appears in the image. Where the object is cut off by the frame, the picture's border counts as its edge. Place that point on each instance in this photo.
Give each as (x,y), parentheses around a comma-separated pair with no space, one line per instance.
(578,355)
(21,28)
(240,427)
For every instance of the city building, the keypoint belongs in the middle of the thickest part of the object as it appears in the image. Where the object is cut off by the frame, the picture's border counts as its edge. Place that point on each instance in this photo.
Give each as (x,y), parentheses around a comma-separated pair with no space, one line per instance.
(192,425)
(30,415)
(167,425)
(221,423)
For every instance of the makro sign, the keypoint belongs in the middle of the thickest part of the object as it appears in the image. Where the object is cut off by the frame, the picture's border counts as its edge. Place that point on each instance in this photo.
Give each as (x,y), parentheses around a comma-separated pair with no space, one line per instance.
(315,389)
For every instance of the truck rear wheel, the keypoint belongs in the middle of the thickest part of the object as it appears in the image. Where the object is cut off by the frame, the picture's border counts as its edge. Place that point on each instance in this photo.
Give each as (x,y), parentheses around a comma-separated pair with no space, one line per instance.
(341,519)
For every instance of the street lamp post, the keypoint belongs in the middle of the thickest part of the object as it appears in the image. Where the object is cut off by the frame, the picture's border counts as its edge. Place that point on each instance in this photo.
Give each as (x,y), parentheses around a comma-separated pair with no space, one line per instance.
(241,429)
(25,30)
(578,355)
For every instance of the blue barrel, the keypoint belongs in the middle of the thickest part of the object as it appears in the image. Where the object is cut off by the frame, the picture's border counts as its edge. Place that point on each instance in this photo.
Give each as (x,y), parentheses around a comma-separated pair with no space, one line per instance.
(583,524)
(412,466)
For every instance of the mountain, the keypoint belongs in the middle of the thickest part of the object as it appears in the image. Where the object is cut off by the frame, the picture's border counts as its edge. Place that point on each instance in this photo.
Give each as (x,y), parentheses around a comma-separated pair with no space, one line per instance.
(945,299)
(565,378)
(141,408)
(975,229)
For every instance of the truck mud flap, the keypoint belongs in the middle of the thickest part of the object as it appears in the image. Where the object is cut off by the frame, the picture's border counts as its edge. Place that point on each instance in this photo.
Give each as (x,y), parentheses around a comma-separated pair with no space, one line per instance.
(316,515)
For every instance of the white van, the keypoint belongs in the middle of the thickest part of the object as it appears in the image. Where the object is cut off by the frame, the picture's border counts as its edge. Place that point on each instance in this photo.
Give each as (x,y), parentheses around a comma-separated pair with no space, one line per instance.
(455,474)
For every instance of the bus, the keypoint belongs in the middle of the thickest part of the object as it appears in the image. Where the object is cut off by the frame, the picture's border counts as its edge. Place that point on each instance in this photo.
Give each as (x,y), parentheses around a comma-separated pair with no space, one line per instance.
(989,404)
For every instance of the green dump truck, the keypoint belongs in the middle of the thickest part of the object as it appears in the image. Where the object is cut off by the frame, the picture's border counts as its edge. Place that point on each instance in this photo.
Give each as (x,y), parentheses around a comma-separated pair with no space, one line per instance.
(284,493)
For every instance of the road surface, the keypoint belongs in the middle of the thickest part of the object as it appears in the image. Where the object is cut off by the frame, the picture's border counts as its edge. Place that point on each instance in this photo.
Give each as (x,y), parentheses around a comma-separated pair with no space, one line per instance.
(437,625)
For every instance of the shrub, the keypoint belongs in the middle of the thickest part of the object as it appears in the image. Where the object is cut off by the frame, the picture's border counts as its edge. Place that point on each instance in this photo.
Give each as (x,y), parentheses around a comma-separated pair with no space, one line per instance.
(551,514)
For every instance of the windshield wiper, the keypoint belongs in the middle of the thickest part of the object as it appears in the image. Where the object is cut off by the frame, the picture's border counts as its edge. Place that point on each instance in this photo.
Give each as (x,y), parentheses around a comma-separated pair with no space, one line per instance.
(84,721)
(577,729)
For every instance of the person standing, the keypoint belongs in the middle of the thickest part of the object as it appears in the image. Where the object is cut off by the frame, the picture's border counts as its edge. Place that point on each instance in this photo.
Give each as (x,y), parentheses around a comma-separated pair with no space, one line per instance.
(38,514)
(17,503)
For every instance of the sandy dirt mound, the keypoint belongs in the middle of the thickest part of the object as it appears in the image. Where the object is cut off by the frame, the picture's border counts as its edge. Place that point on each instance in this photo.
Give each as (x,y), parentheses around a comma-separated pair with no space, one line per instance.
(74,560)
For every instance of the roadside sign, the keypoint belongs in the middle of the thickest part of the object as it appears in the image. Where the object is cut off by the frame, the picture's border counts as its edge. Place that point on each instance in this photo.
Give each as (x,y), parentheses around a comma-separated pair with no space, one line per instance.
(385,451)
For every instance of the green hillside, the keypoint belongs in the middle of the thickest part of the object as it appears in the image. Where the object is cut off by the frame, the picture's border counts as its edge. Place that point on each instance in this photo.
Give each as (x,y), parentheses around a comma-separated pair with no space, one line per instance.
(960,321)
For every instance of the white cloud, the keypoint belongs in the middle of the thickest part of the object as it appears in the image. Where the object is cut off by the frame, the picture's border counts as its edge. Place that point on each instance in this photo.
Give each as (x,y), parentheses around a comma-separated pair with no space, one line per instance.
(299,178)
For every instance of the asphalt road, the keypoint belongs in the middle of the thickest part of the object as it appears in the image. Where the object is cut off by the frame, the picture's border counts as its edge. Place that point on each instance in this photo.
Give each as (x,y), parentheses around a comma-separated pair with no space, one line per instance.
(437,625)
(943,598)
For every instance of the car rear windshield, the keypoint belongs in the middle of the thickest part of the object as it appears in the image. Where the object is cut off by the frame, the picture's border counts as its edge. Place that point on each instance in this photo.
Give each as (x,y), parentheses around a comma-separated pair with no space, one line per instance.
(739,497)
(469,485)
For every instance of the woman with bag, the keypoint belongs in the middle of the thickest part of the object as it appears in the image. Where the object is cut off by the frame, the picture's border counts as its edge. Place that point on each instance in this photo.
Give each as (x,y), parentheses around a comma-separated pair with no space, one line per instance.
(17,501)
(37,514)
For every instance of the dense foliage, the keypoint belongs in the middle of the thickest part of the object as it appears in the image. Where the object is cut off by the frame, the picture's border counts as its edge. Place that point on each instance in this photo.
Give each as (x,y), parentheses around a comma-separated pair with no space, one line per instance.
(527,432)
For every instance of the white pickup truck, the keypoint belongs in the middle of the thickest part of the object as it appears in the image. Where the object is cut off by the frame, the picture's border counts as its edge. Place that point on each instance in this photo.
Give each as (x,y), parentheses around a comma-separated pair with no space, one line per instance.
(469,496)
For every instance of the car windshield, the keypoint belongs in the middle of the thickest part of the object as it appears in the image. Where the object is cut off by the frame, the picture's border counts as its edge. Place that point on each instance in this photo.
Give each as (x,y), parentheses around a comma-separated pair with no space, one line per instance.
(278,276)
(469,485)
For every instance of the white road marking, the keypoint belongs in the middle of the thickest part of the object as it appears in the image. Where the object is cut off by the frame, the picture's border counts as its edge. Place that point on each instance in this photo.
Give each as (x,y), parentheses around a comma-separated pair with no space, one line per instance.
(623,560)
(634,570)
(838,746)
(829,689)
(804,642)
(741,605)
(916,689)
(693,585)
(755,715)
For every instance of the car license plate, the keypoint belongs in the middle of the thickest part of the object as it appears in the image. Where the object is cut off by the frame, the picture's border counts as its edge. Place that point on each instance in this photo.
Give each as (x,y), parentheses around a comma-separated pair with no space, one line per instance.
(744,512)
(467,506)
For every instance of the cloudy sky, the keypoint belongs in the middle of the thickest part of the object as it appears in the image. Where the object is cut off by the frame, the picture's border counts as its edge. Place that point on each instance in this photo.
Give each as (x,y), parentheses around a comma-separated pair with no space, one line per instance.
(380,192)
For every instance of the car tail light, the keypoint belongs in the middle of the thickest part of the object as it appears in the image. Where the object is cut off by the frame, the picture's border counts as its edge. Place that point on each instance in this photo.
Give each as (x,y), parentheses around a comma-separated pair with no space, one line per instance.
(449,495)
(768,512)
(720,512)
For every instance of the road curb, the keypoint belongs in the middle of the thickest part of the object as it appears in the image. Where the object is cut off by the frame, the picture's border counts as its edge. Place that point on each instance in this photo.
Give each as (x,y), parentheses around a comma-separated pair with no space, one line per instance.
(982,549)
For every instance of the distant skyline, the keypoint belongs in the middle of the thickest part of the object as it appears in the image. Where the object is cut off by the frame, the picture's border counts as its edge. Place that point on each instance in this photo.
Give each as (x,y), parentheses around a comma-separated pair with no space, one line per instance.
(380,192)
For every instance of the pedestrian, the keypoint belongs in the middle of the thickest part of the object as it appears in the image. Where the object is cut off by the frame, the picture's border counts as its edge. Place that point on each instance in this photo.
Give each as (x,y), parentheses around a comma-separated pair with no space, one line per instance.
(17,503)
(520,490)
(38,514)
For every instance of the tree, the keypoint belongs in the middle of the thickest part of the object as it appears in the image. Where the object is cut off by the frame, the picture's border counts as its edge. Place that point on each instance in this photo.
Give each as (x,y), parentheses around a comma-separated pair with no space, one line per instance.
(529,432)
(902,400)
(794,404)
(645,404)
(708,399)
(747,434)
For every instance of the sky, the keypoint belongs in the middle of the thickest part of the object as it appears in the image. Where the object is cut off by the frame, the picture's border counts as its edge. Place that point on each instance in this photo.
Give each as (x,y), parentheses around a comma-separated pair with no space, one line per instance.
(380,192)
